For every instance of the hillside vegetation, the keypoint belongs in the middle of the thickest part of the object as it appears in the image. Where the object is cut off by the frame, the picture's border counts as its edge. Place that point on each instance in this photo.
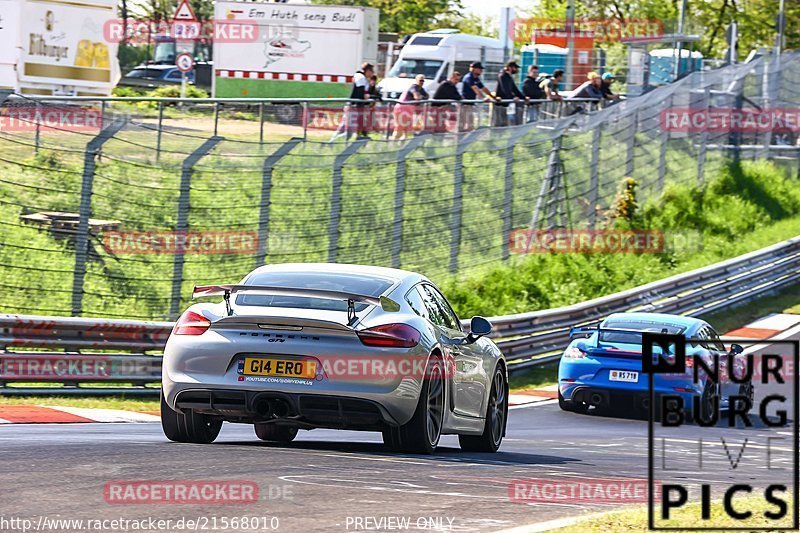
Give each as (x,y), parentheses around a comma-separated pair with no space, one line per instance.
(740,210)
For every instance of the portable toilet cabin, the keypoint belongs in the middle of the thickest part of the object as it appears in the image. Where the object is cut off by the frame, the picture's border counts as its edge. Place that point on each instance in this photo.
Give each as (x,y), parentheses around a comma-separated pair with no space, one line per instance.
(662,64)
(547,56)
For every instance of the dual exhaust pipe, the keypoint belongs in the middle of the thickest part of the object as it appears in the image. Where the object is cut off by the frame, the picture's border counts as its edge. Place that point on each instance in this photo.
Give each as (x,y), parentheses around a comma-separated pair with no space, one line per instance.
(271,408)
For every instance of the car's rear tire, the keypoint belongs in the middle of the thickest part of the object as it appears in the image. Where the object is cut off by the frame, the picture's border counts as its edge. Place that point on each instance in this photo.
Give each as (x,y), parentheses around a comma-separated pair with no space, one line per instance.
(496,415)
(421,434)
(709,402)
(188,426)
(572,407)
(275,433)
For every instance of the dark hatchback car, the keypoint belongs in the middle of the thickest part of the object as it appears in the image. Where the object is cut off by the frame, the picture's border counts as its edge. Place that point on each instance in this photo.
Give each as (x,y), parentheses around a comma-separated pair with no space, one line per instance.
(152,76)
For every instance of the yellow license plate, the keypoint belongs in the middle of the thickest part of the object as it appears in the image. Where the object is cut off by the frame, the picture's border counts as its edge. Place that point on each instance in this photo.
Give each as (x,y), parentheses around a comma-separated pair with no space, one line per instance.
(261,366)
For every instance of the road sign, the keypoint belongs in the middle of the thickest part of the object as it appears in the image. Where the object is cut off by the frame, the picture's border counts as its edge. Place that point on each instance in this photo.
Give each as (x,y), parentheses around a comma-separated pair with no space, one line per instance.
(184,12)
(184,62)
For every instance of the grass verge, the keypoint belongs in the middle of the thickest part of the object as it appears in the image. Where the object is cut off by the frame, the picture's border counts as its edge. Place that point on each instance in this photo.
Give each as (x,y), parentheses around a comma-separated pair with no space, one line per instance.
(123,403)
(534,377)
(635,519)
(787,301)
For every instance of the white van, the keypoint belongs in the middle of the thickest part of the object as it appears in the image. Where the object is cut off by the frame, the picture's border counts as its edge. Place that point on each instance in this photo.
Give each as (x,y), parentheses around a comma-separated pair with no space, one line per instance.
(436,54)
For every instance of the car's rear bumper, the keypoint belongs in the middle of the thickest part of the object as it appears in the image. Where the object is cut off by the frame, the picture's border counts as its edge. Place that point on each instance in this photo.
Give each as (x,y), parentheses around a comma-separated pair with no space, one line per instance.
(606,396)
(302,409)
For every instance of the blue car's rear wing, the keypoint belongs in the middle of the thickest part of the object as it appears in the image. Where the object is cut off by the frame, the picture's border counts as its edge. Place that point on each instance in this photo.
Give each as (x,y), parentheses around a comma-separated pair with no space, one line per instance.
(576,331)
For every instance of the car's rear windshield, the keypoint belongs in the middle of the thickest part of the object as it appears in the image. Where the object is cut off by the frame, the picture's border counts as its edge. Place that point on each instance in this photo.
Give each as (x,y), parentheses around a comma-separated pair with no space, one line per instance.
(368,285)
(632,333)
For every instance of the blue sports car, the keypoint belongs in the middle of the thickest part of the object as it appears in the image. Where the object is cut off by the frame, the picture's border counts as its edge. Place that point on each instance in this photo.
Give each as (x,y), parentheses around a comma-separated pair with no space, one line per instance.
(602,366)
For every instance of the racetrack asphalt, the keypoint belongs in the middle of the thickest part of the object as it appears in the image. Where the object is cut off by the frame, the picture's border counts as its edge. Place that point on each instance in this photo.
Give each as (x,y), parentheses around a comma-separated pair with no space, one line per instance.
(327,480)
(322,478)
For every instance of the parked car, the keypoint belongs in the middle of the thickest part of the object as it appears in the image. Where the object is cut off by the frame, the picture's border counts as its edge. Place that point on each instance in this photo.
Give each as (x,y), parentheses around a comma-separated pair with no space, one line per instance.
(602,366)
(152,76)
(303,346)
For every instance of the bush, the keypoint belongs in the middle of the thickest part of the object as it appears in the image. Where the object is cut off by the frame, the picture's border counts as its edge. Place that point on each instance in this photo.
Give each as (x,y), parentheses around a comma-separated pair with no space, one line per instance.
(174,91)
(126,92)
(725,212)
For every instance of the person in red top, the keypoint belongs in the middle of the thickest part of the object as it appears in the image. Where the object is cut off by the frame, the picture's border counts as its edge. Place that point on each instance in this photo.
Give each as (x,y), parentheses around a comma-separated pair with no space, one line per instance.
(407,114)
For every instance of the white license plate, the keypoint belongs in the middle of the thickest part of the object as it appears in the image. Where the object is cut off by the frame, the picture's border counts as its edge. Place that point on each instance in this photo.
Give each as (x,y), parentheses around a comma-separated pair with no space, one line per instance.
(624,375)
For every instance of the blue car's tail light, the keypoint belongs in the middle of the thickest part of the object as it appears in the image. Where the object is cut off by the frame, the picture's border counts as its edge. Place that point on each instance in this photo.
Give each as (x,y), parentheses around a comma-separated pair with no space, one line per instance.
(574,353)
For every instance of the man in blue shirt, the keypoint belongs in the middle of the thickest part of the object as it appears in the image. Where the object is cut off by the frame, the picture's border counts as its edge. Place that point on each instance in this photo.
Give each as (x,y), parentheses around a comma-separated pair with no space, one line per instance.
(472,81)
(471,86)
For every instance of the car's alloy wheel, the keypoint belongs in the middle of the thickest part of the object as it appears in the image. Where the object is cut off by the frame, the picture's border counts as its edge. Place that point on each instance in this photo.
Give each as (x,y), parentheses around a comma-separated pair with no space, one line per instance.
(496,416)
(709,401)
(188,426)
(435,404)
(421,434)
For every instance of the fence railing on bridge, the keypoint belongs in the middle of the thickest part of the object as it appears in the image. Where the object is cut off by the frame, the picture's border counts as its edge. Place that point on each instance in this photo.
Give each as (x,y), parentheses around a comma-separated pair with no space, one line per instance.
(119,213)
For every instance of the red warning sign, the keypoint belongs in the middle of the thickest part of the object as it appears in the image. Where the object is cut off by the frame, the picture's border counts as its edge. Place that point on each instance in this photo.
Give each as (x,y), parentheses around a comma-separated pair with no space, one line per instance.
(184,12)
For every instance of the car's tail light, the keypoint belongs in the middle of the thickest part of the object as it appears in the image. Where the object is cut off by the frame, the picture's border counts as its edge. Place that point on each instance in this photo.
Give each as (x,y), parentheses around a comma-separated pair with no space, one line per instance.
(574,353)
(390,336)
(191,323)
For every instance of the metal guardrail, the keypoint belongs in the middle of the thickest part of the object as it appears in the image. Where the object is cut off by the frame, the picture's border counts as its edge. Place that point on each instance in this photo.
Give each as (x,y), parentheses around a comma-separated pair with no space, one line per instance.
(92,347)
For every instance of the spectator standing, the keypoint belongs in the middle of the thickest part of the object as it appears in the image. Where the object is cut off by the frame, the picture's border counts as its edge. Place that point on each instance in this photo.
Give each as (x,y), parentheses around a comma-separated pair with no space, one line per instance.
(532,91)
(551,85)
(590,89)
(353,119)
(406,113)
(605,88)
(506,90)
(446,116)
(471,88)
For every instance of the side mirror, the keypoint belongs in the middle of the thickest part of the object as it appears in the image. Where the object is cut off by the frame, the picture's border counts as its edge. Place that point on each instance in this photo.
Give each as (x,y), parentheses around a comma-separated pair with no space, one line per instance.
(478,327)
(736,349)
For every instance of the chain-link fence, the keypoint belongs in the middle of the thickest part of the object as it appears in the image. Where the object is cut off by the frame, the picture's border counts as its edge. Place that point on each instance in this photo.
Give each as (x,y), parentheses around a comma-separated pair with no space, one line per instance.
(107,212)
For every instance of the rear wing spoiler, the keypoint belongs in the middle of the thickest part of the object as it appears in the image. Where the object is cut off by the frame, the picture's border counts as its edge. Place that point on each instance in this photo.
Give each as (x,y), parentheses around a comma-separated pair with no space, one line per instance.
(386,303)
(577,331)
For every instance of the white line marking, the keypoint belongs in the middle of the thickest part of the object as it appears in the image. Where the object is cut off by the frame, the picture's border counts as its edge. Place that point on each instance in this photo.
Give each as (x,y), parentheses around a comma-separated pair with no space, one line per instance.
(535,404)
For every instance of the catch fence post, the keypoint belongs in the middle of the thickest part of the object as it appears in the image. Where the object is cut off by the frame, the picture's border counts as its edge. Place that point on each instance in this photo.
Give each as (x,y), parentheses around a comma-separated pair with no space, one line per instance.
(629,152)
(662,155)
(399,194)
(594,175)
(261,122)
(508,189)
(158,131)
(85,211)
(458,201)
(266,190)
(336,197)
(701,154)
(187,168)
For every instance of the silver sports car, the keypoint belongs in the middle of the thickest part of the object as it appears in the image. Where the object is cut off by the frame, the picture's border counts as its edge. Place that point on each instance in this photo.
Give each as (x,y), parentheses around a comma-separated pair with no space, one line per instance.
(303,346)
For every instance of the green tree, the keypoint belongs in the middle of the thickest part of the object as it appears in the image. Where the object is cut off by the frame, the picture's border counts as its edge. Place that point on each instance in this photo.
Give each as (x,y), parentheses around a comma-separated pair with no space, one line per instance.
(706,18)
